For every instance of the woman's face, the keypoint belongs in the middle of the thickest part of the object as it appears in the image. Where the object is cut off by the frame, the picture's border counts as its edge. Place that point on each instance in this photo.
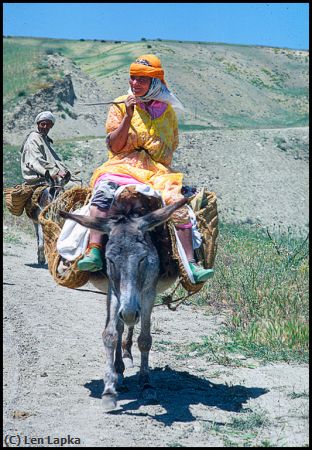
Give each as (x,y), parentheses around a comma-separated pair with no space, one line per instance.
(139,85)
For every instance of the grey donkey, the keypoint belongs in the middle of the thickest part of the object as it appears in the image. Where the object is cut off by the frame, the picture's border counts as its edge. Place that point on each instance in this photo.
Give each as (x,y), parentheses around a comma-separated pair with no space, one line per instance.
(132,264)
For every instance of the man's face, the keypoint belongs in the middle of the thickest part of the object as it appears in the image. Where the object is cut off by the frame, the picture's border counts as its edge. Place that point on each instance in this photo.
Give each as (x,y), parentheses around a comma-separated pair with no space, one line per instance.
(44,126)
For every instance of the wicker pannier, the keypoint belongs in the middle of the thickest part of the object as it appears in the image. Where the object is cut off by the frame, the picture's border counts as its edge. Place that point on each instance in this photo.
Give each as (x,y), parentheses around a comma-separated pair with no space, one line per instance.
(16,197)
(204,205)
(52,224)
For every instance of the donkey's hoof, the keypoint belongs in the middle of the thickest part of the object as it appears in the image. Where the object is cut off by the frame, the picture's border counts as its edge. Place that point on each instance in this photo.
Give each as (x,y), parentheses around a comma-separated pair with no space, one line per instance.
(128,362)
(109,401)
(149,394)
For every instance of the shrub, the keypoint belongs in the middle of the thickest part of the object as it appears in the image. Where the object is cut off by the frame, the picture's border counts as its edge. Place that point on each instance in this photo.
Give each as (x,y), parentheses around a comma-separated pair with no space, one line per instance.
(49,51)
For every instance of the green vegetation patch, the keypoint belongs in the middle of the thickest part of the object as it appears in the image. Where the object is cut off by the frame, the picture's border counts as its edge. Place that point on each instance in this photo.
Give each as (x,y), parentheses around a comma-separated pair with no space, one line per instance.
(67,150)
(12,174)
(26,68)
(262,278)
(261,283)
(19,69)
(10,238)
(193,127)
(279,119)
(244,430)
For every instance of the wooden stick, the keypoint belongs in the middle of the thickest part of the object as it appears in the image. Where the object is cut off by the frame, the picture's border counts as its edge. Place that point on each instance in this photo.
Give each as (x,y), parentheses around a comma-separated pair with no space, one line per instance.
(101,103)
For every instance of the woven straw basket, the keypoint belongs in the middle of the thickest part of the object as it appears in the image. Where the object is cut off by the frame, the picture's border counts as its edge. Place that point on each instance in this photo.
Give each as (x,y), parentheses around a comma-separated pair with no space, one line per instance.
(52,224)
(16,198)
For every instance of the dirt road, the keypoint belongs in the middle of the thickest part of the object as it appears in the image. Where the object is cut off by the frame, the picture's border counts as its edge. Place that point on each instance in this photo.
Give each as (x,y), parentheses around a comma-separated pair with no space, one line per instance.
(54,363)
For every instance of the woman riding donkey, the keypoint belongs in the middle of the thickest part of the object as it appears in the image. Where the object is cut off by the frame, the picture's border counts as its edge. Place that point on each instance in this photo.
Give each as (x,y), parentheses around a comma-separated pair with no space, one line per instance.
(142,137)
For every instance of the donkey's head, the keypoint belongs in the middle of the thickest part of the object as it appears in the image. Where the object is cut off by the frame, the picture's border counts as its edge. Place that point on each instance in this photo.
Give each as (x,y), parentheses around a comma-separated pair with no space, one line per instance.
(55,187)
(131,258)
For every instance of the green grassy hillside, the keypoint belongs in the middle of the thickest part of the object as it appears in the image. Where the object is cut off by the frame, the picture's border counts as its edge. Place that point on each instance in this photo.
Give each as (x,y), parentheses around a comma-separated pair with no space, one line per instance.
(220,85)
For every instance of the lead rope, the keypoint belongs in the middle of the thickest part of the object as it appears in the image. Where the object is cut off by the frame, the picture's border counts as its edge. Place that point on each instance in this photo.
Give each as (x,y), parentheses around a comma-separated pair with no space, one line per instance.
(168,299)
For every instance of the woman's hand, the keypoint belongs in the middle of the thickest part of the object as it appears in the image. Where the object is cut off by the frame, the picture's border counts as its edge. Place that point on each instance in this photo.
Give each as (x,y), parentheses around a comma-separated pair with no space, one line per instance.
(118,138)
(130,103)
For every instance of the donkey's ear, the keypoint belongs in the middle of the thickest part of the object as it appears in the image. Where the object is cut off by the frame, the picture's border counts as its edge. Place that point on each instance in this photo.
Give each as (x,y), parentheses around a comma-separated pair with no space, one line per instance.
(48,178)
(96,223)
(159,216)
(66,178)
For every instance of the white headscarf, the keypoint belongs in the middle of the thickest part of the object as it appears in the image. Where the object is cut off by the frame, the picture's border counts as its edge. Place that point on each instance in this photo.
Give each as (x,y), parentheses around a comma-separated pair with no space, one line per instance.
(45,115)
(159,91)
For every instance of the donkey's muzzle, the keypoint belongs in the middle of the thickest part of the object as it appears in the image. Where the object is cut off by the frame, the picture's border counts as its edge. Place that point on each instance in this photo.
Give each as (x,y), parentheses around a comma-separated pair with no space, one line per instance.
(129,316)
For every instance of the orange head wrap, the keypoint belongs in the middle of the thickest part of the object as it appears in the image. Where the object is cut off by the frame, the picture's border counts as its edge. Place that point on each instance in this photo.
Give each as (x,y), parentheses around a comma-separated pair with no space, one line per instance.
(149,67)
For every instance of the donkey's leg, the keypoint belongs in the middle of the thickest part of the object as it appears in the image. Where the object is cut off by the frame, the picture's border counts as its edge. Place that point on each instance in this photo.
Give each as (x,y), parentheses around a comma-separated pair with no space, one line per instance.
(126,345)
(119,364)
(40,244)
(110,339)
(145,342)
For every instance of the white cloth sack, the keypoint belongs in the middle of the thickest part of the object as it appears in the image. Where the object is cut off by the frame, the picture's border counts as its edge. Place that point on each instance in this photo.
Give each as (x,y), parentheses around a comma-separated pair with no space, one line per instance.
(73,239)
